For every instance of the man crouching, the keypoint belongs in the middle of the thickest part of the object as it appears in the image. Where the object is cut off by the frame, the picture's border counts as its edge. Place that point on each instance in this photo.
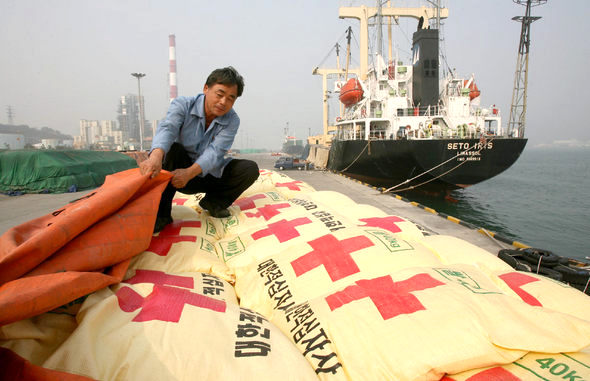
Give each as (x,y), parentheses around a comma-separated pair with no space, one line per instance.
(191,143)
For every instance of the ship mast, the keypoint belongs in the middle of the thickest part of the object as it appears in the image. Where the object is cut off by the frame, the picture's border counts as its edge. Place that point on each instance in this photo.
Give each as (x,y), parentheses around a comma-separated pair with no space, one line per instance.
(436,4)
(437,24)
(340,73)
(348,38)
(519,93)
(379,28)
(389,38)
(339,79)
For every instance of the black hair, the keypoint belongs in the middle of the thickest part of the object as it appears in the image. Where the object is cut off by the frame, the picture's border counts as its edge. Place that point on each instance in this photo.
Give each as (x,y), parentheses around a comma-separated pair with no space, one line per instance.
(226,76)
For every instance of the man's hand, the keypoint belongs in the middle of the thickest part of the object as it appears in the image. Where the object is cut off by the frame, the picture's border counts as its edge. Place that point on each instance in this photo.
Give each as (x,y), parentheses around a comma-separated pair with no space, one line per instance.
(182,176)
(153,164)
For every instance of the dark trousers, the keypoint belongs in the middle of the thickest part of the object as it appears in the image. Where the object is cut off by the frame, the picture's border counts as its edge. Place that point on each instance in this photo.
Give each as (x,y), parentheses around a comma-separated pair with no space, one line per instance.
(237,176)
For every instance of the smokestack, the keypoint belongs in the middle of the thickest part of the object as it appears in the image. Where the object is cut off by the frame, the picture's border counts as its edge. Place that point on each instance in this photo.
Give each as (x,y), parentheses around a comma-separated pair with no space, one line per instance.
(172,54)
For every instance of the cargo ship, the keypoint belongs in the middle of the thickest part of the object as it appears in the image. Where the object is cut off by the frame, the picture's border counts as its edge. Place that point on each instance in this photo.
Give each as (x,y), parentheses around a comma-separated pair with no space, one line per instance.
(408,127)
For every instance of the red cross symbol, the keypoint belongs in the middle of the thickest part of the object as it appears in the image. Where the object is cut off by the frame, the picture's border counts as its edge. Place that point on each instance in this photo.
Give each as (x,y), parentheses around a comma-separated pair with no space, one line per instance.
(164,303)
(179,201)
(170,234)
(248,202)
(497,373)
(387,223)
(333,254)
(161,278)
(515,281)
(284,230)
(391,298)
(268,211)
(292,185)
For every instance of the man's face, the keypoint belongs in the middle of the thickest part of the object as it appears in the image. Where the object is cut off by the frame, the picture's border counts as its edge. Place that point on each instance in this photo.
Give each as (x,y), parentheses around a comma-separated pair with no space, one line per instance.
(219,99)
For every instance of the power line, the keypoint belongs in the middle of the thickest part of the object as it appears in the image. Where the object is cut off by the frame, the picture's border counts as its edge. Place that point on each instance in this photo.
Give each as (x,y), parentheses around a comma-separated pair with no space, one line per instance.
(10,115)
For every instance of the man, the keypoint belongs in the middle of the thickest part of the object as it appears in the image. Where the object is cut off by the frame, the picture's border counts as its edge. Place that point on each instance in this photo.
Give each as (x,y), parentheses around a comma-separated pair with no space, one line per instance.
(191,143)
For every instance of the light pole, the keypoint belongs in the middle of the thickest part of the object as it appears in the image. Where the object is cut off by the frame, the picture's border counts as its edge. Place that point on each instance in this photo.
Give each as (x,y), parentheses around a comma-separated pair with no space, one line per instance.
(139,76)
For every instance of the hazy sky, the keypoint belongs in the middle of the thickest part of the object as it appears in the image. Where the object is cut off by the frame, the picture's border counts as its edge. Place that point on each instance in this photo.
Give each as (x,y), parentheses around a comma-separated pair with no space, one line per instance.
(66,60)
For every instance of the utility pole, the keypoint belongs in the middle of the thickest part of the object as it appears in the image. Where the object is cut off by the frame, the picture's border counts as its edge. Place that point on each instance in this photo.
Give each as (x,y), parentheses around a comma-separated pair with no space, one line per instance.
(139,76)
(516,122)
(10,115)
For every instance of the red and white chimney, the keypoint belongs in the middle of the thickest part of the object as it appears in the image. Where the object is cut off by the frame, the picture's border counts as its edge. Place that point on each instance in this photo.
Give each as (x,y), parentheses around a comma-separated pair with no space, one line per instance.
(172,76)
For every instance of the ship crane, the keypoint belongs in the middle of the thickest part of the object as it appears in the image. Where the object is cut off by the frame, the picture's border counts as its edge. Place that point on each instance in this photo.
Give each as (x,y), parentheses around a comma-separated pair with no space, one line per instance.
(516,122)
(364,13)
(325,73)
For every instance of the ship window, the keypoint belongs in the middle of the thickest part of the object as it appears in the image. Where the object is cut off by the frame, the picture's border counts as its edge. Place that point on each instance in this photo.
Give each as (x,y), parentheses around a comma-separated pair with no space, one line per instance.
(492,126)
(426,64)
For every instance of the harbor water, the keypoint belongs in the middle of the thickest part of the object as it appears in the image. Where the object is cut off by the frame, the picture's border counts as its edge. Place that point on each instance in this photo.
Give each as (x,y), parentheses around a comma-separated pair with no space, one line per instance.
(542,201)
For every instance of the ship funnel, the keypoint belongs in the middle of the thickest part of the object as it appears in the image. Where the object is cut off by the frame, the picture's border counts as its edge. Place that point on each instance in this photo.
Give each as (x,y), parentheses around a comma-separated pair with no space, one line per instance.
(425,78)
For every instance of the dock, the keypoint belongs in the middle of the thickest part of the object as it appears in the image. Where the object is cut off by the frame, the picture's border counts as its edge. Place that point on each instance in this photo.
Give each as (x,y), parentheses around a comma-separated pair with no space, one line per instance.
(428,220)
(19,209)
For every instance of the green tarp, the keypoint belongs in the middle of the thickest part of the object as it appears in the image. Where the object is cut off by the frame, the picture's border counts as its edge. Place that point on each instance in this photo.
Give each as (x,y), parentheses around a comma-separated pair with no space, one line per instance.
(38,171)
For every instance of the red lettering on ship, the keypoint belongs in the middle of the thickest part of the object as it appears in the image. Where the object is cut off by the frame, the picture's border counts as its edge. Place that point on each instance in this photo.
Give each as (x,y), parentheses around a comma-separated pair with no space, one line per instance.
(164,303)
(248,202)
(268,211)
(162,243)
(391,298)
(333,254)
(387,223)
(292,185)
(284,230)
(179,201)
(515,281)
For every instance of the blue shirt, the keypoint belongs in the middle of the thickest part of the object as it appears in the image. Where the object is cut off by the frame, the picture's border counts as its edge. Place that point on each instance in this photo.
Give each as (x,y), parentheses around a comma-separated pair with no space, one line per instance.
(185,124)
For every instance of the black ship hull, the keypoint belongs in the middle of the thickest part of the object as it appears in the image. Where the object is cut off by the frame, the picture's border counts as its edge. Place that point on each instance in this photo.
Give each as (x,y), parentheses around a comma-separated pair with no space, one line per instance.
(444,164)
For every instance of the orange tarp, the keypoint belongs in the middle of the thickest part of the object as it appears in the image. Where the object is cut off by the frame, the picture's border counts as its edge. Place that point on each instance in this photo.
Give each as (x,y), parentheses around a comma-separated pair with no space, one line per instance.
(78,249)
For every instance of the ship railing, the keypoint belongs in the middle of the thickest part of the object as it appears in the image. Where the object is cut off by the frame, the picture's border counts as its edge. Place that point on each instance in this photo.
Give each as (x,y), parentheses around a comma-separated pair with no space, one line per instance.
(380,135)
(419,111)
(476,135)
(350,134)
(461,132)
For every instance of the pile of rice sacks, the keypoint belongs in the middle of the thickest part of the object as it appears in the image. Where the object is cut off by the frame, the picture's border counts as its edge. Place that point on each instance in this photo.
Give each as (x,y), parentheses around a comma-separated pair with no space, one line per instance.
(299,284)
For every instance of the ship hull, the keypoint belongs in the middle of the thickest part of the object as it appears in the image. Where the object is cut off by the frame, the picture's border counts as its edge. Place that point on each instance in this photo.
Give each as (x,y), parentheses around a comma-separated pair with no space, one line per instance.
(389,163)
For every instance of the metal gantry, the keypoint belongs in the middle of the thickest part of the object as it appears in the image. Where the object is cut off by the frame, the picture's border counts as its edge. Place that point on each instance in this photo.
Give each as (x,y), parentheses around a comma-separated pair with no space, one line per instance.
(516,122)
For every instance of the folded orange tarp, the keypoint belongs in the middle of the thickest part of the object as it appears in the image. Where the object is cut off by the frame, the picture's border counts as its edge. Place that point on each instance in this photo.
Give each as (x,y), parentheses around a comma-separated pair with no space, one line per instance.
(79,248)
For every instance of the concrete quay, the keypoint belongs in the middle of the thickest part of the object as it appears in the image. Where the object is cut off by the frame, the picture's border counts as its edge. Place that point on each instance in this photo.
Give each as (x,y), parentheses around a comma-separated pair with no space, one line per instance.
(430,223)
(16,210)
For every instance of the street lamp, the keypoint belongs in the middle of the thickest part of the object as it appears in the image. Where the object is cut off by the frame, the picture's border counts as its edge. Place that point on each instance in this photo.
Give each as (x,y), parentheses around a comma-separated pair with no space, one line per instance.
(139,76)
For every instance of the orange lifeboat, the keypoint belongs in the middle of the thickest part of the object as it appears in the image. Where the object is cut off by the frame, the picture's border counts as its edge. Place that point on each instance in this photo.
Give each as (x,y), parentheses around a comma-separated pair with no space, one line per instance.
(351,92)
(474,91)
